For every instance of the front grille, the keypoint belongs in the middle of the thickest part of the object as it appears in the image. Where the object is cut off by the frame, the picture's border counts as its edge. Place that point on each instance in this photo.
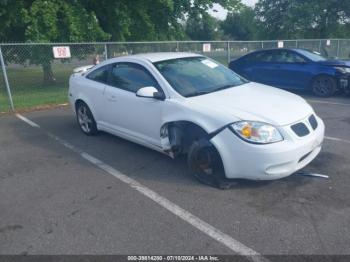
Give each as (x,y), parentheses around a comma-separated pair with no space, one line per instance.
(300,129)
(313,122)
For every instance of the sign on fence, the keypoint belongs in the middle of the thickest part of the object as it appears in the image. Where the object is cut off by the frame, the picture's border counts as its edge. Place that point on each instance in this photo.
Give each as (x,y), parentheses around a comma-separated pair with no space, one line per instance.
(206,47)
(61,51)
(280,44)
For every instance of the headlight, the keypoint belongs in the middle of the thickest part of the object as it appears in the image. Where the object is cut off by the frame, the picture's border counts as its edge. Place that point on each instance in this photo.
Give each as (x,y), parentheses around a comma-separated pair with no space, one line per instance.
(343,69)
(256,132)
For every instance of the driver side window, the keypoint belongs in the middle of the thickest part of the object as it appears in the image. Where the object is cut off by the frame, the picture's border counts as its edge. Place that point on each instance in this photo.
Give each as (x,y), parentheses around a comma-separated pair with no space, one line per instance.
(131,77)
(285,56)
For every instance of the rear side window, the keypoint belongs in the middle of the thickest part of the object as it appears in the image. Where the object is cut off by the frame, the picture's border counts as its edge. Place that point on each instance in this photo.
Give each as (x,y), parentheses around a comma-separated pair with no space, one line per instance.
(131,77)
(285,56)
(99,75)
(259,57)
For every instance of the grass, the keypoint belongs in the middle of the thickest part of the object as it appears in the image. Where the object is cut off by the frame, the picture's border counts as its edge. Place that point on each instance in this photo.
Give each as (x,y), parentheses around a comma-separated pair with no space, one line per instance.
(29,91)
(4,105)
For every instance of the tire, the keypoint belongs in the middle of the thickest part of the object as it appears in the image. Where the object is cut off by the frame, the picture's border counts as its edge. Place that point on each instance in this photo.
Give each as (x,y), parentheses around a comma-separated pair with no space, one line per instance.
(324,86)
(85,119)
(205,164)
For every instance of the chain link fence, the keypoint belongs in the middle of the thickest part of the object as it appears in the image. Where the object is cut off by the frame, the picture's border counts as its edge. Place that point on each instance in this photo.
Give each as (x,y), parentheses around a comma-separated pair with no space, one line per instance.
(36,79)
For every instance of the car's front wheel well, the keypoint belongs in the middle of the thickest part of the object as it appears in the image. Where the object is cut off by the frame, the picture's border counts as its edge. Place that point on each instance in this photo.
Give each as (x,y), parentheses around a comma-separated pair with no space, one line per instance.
(203,159)
(85,118)
(322,74)
(324,85)
(77,102)
(179,136)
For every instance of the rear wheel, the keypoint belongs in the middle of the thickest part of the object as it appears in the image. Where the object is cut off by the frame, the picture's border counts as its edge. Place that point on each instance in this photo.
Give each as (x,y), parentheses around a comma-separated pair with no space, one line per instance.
(205,164)
(85,119)
(324,86)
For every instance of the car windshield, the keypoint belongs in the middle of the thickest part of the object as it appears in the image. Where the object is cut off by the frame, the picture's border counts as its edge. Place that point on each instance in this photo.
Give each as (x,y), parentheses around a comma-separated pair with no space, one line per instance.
(312,55)
(192,76)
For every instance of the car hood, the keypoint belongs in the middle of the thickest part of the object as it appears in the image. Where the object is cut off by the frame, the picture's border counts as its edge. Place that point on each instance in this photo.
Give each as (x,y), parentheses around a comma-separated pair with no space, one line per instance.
(335,63)
(253,101)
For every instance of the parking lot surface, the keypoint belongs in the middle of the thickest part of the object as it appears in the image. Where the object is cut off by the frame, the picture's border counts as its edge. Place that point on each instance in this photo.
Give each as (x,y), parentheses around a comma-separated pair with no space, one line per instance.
(53,201)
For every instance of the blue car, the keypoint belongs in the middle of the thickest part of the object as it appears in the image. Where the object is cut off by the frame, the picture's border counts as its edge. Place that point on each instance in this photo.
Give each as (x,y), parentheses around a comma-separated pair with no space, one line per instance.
(295,69)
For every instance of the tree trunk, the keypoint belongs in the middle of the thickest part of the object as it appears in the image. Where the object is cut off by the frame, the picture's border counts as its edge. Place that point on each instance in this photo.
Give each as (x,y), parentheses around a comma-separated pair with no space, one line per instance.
(48,74)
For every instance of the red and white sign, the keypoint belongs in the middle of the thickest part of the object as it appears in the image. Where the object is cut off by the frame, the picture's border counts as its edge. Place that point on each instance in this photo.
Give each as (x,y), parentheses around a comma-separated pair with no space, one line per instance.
(206,47)
(61,51)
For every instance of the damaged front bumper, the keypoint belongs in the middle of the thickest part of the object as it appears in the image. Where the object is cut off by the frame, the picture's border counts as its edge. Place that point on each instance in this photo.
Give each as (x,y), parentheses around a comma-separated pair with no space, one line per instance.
(269,161)
(344,84)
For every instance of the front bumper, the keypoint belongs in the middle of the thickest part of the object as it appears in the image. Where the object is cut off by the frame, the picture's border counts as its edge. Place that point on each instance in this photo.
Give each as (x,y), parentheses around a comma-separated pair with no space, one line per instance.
(270,161)
(344,84)
(343,80)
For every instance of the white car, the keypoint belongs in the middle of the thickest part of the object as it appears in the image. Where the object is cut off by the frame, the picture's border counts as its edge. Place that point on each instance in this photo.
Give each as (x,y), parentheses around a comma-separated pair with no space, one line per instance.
(183,103)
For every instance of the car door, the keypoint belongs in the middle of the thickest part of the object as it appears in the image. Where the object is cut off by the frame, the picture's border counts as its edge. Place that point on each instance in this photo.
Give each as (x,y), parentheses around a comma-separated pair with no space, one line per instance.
(289,69)
(94,88)
(127,114)
(258,67)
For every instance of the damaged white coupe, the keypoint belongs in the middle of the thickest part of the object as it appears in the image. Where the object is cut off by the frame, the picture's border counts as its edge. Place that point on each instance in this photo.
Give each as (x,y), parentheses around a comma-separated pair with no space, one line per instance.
(182,103)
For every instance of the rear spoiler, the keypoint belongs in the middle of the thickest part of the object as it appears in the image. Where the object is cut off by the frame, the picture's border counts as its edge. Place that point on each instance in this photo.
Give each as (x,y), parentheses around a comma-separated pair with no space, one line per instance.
(82,69)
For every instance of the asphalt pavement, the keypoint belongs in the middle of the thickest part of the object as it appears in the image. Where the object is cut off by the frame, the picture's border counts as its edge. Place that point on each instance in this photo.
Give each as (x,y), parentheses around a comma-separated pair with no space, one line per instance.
(53,201)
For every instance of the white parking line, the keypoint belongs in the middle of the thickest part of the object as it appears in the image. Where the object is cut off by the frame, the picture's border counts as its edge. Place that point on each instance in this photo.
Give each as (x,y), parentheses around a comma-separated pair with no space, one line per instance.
(186,216)
(327,102)
(337,139)
(29,122)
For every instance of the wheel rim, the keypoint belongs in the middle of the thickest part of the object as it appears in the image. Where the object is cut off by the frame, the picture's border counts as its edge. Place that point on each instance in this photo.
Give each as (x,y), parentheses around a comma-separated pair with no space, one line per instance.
(322,85)
(84,119)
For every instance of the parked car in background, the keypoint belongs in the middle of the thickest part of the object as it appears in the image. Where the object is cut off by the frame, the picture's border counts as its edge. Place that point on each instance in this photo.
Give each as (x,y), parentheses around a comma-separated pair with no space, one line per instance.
(295,69)
(188,104)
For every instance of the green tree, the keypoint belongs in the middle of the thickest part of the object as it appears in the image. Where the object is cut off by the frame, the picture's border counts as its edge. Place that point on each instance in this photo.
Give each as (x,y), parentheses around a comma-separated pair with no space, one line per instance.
(47,21)
(12,20)
(203,27)
(303,19)
(241,24)
(123,20)
(147,20)
(58,21)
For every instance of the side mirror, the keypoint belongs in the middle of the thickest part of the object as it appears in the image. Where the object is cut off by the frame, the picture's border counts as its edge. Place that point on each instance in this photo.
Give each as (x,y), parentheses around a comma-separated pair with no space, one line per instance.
(150,92)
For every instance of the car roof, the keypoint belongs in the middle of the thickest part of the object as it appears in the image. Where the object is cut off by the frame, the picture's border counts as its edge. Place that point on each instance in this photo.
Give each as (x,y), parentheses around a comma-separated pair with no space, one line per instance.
(161,56)
(273,49)
(268,50)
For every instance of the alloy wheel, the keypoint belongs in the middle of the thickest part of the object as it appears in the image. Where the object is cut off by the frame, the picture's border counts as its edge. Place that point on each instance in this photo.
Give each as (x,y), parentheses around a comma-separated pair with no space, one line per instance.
(84,120)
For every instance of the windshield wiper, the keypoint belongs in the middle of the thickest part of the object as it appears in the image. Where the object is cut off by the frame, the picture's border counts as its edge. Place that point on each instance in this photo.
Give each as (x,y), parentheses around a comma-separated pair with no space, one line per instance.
(198,93)
(203,92)
(222,88)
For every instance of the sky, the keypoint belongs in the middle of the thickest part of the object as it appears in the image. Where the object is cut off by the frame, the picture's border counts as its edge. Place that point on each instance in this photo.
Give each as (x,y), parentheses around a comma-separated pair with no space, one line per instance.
(221,13)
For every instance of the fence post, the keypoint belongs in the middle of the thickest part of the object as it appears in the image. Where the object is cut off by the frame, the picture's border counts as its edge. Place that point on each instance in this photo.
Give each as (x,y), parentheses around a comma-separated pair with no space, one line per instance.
(177,46)
(228,53)
(106,52)
(319,46)
(338,48)
(6,81)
